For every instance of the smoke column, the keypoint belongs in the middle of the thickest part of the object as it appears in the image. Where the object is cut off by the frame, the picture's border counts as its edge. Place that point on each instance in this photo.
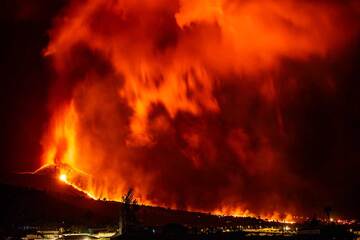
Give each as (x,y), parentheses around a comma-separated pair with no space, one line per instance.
(197,105)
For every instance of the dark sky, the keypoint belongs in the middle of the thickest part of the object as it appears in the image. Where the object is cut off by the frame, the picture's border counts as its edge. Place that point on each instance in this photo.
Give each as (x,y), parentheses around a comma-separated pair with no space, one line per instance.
(25,80)
(323,129)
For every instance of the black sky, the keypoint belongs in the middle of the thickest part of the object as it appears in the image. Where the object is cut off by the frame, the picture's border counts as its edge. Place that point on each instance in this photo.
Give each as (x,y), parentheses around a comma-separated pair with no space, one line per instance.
(25,80)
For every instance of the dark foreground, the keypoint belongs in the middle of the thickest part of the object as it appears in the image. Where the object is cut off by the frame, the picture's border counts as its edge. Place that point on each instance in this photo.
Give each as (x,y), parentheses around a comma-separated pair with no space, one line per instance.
(63,213)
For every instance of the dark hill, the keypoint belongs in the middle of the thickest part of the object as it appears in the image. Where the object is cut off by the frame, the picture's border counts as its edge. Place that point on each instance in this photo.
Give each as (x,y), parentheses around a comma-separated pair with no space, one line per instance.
(43,199)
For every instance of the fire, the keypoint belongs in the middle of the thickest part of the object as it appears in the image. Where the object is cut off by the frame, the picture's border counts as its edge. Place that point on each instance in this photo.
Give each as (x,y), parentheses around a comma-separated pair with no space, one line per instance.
(180,99)
(269,216)
(62,139)
(63,177)
(64,132)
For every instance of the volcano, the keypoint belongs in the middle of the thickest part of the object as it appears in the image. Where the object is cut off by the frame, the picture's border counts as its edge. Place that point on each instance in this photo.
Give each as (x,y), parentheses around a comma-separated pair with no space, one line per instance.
(46,178)
(246,108)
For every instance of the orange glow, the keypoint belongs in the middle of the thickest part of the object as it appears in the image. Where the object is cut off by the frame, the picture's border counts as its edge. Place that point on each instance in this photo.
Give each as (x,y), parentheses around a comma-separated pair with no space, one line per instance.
(61,140)
(63,177)
(242,37)
(64,132)
(134,70)
(238,212)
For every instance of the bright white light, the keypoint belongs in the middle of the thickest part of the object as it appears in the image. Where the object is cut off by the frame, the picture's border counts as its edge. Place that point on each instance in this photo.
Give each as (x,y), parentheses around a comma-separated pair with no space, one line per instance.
(63,177)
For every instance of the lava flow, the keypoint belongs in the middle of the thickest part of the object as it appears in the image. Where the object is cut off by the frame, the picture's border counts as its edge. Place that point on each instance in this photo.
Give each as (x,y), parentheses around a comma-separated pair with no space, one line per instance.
(189,102)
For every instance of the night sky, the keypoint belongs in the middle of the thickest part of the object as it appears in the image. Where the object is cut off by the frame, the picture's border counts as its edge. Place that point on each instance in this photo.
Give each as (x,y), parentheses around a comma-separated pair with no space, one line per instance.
(318,142)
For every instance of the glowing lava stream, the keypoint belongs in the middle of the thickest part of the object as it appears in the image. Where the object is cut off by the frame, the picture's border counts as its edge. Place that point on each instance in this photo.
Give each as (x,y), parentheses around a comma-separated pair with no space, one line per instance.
(289,219)
(237,213)
(63,177)
(65,174)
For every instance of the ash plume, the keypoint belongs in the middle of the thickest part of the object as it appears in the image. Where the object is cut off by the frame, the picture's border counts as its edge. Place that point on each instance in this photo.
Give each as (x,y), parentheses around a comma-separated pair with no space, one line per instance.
(237,107)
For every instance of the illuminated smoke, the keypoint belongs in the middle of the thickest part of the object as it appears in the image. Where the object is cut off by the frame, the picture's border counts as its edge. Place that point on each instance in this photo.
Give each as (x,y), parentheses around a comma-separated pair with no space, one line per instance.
(184,100)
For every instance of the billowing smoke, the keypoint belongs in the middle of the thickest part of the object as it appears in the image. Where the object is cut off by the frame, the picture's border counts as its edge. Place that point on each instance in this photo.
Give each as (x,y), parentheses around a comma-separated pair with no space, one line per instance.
(200,105)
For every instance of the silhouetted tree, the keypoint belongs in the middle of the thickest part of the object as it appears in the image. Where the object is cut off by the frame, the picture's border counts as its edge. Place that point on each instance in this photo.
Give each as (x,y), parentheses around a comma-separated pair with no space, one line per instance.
(128,211)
